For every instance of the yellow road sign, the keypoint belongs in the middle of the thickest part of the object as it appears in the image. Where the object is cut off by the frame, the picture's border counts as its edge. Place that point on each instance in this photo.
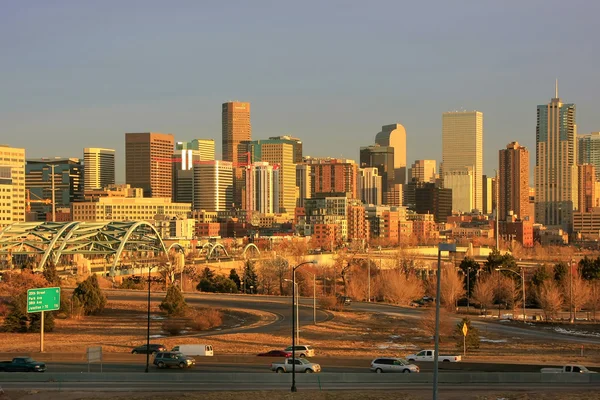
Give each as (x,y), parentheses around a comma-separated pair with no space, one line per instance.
(465,329)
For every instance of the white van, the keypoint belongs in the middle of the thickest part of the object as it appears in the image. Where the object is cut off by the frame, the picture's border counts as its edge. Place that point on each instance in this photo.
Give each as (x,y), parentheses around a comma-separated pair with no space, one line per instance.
(194,349)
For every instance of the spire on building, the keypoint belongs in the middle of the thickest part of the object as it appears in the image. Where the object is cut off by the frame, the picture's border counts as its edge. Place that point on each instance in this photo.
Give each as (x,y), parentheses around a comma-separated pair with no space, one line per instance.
(556,89)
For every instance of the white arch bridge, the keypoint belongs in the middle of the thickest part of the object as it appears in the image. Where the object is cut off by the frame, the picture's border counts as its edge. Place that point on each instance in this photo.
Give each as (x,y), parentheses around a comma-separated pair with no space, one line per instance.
(49,241)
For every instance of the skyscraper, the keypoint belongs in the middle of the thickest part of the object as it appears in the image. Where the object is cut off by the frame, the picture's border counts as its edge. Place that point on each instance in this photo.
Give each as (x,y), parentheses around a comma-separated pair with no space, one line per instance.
(514,181)
(98,168)
(297,143)
(394,136)
(370,186)
(148,162)
(185,156)
(422,171)
(6,194)
(555,164)
(462,146)
(303,182)
(586,174)
(213,188)
(281,153)
(461,183)
(588,147)
(15,159)
(261,188)
(382,158)
(236,127)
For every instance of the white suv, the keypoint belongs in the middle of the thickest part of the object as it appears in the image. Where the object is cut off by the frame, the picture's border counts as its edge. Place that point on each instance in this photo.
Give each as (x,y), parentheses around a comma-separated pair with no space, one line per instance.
(305,351)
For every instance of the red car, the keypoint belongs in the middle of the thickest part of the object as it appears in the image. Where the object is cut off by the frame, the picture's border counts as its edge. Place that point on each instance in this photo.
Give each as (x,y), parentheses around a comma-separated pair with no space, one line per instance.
(276,353)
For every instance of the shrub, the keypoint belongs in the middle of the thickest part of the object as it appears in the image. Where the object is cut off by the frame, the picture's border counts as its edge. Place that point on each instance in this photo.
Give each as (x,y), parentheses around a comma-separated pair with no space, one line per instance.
(173,326)
(329,303)
(35,321)
(472,339)
(217,284)
(174,302)
(89,295)
(205,319)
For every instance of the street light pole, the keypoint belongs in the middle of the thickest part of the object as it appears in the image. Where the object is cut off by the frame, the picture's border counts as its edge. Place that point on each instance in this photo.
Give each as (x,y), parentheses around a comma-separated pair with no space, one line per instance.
(148,331)
(368,277)
(315,298)
(450,247)
(294,389)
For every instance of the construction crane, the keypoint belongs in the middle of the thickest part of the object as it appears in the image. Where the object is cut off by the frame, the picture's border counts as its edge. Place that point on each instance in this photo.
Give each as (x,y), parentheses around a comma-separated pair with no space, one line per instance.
(38,200)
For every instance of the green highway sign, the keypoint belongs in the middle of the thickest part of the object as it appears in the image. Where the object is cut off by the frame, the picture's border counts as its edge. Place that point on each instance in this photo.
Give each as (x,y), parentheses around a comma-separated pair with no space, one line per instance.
(43,299)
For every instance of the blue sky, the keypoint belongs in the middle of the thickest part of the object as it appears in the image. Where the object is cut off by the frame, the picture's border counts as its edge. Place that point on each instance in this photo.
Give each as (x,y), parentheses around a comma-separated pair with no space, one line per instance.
(79,74)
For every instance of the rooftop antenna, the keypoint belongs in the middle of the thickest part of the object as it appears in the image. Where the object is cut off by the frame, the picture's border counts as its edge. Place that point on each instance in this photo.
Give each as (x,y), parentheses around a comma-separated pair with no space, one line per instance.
(556,89)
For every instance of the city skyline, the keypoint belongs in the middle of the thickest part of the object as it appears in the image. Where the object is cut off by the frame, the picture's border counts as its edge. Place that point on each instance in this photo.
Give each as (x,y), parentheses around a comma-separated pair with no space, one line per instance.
(105,94)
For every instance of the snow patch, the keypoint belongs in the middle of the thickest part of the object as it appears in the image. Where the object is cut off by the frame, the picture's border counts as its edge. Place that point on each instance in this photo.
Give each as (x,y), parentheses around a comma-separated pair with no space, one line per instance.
(484,339)
(576,333)
(395,337)
(390,345)
(157,317)
(156,336)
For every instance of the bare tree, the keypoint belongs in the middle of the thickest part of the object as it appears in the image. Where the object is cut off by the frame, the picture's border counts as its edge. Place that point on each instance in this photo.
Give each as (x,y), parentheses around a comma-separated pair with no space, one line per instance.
(483,293)
(550,298)
(400,288)
(427,323)
(452,287)
(580,289)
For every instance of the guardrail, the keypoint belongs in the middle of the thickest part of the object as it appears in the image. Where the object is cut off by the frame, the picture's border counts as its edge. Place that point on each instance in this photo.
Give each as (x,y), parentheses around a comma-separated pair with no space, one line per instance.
(451,378)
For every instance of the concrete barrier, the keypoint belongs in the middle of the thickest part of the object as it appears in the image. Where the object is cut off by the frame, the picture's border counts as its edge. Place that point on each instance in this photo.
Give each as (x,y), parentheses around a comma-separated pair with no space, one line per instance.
(324,379)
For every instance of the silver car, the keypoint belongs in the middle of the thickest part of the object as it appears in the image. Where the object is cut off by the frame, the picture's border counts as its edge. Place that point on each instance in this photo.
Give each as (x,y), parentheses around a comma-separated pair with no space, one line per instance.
(389,364)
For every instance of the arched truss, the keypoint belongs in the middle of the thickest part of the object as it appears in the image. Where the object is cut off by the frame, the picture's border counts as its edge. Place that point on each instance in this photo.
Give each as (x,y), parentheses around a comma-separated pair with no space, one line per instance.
(51,240)
(214,247)
(177,247)
(252,247)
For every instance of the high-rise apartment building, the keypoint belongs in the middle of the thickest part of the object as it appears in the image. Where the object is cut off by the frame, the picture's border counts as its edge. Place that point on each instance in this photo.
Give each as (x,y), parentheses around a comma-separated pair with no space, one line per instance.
(279,153)
(67,174)
(333,175)
(588,148)
(236,128)
(303,183)
(261,188)
(463,190)
(422,171)
(394,136)
(514,181)
(15,159)
(370,186)
(462,146)
(489,195)
(382,158)
(555,164)
(431,199)
(185,156)
(586,184)
(98,168)
(213,188)
(148,162)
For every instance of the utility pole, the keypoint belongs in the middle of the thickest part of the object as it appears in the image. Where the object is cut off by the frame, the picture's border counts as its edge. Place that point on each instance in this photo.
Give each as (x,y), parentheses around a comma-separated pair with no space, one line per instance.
(315,298)
(368,277)
(497,197)
(571,317)
(53,195)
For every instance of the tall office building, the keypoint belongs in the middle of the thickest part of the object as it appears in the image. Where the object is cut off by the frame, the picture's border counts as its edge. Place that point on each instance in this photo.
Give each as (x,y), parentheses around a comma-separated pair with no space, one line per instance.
(431,199)
(6,196)
(98,168)
(422,171)
(236,128)
(148,162)
(382,158)
(586,184)
(68,183)
(394,136)
(297,143)
(333,175)
(303,183)
(213,190)
(463,193)
(185,156)
(514,181)
(281,153)
(261,188)
(489,195)
(15,159)
(588,148)
(462,146)
(370,186)
(555,164)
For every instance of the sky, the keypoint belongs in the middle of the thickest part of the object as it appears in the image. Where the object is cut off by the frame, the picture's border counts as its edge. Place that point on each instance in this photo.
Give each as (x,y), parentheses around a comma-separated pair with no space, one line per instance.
(78,74)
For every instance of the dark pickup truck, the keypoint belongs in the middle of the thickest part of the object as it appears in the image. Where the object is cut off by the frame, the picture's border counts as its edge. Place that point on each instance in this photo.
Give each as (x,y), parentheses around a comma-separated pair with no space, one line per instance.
(22,364)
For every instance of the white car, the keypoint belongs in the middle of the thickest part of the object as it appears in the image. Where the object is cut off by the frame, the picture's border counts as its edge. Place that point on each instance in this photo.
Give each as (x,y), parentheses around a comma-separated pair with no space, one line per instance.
(302,350)
(388,364)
